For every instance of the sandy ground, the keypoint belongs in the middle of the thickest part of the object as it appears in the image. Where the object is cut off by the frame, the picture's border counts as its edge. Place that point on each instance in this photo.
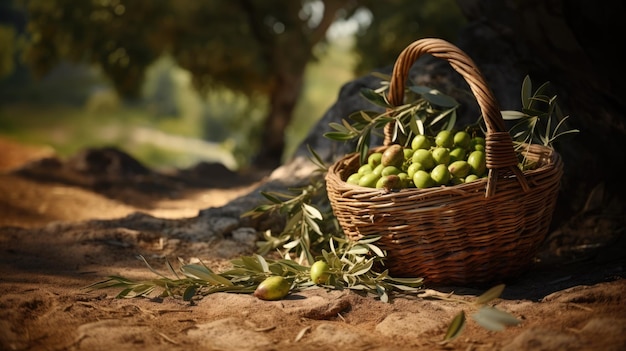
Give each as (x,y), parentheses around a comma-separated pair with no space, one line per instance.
(59,235)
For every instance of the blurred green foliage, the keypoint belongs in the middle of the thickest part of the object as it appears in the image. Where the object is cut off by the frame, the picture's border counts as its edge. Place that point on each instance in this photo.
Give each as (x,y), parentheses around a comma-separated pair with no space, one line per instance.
(397,23)
(201,69)
(7,50)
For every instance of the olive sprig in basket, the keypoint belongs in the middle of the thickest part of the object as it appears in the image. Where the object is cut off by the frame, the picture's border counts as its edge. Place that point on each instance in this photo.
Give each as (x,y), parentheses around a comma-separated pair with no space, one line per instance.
(540,121)
(427,110)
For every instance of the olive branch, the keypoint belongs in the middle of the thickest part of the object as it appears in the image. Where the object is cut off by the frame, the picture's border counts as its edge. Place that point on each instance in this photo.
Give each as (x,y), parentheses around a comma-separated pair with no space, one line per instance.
(541,120)
(306,229)
(350,267)
(425,110)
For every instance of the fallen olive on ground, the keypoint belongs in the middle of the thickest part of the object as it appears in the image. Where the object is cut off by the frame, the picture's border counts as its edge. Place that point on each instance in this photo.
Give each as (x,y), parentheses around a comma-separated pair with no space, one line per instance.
(273,288)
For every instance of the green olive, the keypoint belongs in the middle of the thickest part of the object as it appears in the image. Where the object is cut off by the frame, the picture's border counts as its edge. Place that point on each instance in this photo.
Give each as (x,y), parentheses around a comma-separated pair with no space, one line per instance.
(457,154)
(459,168)
(378,170)
(477,143)
(444,139)
(389,182)
(462,139)
(273,288)
(470,178)
(408,153)
(366,168)
(374,159)
(404,179)
(424,157)
(420,142)
(319,272)
(477,162)
(414,167)
(441,155)
(353,179)
(422,179)
(390,170)
(440,174)
(369,180)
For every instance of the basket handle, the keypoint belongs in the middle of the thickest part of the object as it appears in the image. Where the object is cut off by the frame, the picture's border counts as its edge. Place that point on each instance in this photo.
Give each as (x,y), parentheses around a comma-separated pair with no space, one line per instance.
(499,151)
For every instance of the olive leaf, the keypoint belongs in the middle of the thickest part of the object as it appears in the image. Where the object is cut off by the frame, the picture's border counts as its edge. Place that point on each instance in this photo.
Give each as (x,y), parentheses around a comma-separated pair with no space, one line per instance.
(434,96)
(339,136)
(190,292)
(317,160)
(494,319)
(362,117)
(198,272)
(456,327)
(490,295)
(375,98)
(541,119)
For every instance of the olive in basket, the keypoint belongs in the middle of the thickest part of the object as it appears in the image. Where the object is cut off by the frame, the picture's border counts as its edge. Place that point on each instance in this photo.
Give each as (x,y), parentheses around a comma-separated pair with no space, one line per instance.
(444,138)
(477,162)
(393,156)
(444,160)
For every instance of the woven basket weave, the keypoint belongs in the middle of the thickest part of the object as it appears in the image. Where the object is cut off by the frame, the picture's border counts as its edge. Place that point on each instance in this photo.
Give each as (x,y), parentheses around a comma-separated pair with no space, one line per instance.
(477,232)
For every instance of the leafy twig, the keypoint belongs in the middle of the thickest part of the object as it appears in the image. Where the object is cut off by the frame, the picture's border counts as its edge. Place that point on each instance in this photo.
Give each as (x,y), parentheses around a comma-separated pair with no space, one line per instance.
(426,109)
(351,267)
(540,121)
(305,230)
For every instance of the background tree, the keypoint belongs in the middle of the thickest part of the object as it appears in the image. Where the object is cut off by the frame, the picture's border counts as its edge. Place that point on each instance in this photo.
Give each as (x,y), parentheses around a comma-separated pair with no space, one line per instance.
(397,23)
(255,47)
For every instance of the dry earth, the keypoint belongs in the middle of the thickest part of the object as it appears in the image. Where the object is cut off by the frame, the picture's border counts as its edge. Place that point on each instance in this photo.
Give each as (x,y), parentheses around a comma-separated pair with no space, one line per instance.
(60,234)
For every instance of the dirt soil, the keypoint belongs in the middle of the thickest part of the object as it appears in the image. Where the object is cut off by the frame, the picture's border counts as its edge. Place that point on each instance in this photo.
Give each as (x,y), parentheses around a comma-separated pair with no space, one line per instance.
(60,232)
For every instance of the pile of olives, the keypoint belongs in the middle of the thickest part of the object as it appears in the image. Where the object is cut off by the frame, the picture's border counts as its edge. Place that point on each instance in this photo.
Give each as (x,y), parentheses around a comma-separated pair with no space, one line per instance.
(449,158)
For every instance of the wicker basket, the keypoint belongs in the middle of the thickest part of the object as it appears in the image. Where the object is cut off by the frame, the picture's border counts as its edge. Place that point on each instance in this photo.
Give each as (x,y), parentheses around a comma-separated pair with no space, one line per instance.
(477,232)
